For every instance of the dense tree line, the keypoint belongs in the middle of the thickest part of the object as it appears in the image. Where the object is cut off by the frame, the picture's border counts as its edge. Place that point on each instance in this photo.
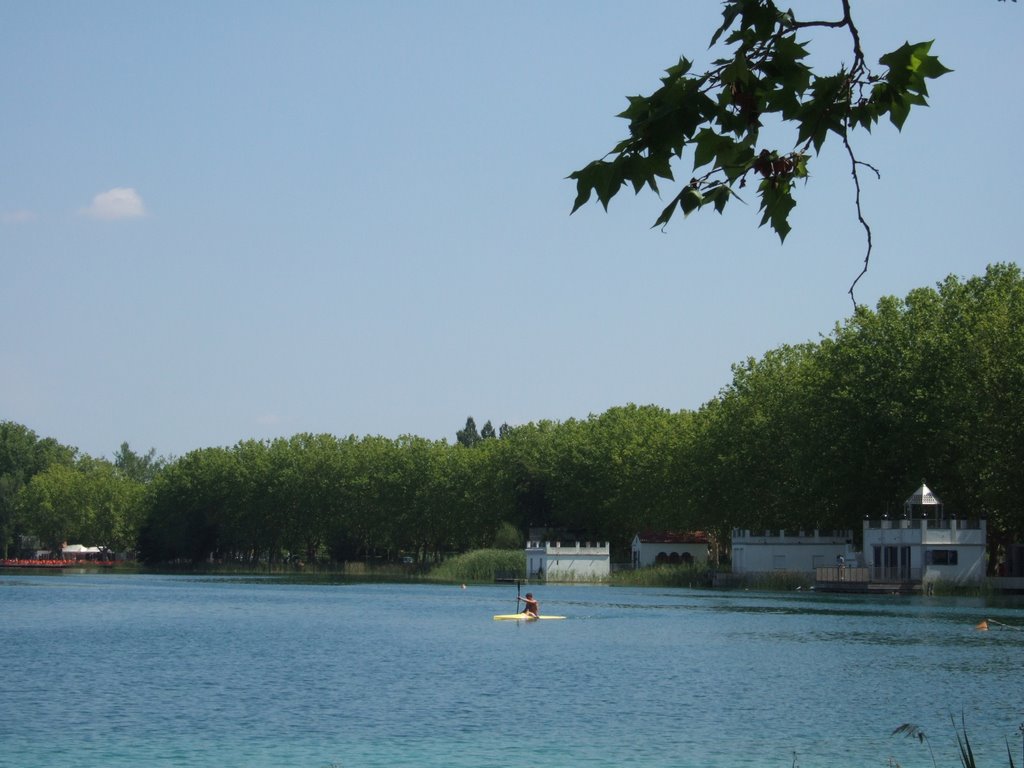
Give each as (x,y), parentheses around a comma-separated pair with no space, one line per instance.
(52,494)
(810,436)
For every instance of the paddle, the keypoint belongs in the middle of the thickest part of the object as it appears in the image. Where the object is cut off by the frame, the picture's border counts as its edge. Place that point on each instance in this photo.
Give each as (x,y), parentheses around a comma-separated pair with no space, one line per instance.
(517,596)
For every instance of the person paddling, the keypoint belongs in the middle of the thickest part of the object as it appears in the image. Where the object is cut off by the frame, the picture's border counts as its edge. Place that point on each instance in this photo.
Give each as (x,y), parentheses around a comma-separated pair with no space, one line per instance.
(532,607)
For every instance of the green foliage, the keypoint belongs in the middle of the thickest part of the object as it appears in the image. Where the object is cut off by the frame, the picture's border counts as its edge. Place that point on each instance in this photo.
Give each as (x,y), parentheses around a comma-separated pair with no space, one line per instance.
(23,455)
(683,575)
(811,436)
(325,498)
(820,435)
(718,114)
(90,502)
(508,537)
(468,435)
(602,478)
(139,467)
(481,565)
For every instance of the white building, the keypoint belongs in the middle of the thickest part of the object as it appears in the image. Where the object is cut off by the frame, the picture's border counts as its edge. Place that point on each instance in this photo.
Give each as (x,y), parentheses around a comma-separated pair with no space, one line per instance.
(925,545)
(568,562)
(657,547)
(793,551)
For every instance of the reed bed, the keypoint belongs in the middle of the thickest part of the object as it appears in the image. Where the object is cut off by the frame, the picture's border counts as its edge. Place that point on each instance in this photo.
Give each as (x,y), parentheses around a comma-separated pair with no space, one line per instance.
(694,575)
(481,565)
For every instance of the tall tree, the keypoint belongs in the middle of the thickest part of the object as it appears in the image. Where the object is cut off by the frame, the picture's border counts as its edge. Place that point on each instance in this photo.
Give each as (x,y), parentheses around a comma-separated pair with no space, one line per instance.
(22,456)
(139,467)
(468,435)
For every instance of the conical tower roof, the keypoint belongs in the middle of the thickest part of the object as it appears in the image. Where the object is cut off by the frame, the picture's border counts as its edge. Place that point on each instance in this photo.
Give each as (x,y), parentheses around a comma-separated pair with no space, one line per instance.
(923,496)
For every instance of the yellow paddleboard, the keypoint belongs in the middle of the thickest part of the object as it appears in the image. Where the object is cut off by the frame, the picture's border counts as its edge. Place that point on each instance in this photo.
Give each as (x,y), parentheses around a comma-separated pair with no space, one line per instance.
(522,617)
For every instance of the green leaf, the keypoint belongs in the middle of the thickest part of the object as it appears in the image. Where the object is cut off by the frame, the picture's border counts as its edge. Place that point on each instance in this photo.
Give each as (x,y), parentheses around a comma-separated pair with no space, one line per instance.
(737,71)
(785,65)
(800,165)
(584,188)
(719,195)
(690,199)
(600,177)
(776,203)
(823,111)
(679,69)
(911,64)
(736,158)
(899,111)
(708,146)
(729,14)
(667,212)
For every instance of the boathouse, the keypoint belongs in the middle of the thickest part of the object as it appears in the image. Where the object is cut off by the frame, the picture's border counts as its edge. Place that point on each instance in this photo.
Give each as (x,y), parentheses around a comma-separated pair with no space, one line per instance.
(925,545)
(658,547)
(568,562)
(793,551)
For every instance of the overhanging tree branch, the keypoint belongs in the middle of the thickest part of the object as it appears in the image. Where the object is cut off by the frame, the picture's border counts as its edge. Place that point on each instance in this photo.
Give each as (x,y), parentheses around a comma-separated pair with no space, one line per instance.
(717,116)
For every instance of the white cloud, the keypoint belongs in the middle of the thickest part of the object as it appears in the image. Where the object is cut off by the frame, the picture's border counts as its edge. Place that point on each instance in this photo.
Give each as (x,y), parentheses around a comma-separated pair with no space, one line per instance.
(17,216)
(117,203)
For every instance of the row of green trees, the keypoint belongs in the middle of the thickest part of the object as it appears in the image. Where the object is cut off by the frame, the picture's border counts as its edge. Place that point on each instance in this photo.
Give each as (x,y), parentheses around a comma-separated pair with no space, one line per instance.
(816,435)
(51,494)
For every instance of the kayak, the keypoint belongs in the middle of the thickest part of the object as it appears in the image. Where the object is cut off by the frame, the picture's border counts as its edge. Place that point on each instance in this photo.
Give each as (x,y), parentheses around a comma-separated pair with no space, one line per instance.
(523,617)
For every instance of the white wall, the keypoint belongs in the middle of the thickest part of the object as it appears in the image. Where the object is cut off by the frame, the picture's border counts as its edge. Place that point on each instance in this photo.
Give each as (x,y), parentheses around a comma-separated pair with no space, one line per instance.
(646,553)
(780,552)
(966,538)
(568,562)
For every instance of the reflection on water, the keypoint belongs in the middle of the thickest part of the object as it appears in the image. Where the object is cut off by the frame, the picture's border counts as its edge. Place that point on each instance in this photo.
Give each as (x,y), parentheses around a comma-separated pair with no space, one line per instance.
(268,671)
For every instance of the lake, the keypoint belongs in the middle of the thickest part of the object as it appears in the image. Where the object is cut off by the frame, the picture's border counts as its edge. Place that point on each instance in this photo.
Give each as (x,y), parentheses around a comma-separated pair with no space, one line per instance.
(115,670)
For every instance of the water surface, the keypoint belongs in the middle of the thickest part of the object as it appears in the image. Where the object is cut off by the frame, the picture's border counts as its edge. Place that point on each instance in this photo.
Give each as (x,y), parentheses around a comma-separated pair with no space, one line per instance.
(139,670)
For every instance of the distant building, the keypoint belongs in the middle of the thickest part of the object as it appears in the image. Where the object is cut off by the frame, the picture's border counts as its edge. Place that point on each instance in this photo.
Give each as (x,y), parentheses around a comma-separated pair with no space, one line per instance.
(792,551)
(568,562)
(925,545)
(656,547)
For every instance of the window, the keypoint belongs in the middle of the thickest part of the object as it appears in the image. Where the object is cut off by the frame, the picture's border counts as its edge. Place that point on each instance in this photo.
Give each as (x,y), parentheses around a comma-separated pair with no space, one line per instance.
(941,557)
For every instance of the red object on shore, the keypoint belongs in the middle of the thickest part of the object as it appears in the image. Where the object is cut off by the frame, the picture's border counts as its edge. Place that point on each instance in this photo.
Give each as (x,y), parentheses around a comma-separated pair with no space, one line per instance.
(17,563)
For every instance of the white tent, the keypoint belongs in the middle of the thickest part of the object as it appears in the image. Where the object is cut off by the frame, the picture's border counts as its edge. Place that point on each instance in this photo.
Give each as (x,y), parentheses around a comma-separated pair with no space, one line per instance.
(78,550)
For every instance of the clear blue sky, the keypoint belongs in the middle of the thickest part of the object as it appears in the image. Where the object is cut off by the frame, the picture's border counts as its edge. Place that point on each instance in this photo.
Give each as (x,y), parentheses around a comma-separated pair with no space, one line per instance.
(233,220)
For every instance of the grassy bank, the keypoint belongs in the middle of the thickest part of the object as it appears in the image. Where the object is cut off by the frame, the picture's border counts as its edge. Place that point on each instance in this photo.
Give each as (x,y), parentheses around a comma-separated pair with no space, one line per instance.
(696,575)
(480,565)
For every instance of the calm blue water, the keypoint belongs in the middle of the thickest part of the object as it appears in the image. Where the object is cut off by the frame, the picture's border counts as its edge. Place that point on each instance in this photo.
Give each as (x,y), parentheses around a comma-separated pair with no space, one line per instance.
(121,670)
